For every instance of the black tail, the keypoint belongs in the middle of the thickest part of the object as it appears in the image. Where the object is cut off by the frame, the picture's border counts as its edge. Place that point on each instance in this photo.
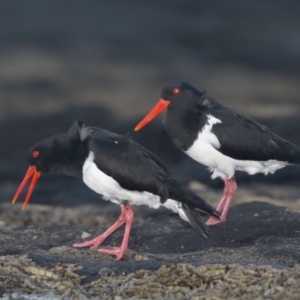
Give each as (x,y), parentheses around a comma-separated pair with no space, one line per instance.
(198,203)
(195,219)
(193,213)
(192,206)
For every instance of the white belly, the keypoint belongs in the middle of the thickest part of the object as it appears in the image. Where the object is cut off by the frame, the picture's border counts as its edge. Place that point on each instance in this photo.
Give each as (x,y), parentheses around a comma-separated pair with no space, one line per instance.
(110,189)
(205,151)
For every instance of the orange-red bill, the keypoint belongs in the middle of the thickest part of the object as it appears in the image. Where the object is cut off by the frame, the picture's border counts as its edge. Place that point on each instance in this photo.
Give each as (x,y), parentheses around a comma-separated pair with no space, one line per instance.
(158,108)
(32,172)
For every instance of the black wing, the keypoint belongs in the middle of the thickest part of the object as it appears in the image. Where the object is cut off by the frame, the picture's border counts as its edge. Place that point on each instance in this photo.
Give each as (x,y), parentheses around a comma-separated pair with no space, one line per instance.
(134,169)
(129,165)
(94,132)
(243,138)
(153,157)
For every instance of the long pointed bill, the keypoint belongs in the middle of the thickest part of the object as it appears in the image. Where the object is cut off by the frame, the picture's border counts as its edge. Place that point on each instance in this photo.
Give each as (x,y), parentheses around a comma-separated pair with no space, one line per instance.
(32,172)
(158,108)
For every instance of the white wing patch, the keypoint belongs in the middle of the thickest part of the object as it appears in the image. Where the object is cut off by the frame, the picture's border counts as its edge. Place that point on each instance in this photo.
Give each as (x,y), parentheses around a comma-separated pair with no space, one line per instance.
(206,136)
(204,150)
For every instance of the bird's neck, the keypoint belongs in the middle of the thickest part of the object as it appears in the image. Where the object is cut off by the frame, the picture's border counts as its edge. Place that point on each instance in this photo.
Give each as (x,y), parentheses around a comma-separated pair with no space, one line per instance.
(71,159)
(183,126)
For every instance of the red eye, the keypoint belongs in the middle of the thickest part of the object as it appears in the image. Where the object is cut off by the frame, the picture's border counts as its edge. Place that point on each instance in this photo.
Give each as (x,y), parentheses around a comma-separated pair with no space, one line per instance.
(35,154)
(176,91)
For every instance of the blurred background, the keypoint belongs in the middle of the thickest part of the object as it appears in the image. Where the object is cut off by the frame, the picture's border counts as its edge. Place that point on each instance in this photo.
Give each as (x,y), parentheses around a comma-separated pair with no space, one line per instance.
(105,62)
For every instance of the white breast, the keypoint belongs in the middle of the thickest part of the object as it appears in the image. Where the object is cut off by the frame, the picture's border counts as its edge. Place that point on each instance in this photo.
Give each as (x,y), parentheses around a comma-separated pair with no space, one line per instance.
(205,151)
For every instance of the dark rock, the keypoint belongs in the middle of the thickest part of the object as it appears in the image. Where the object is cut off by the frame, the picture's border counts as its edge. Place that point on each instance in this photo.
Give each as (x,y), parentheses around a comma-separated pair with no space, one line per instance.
(254,232)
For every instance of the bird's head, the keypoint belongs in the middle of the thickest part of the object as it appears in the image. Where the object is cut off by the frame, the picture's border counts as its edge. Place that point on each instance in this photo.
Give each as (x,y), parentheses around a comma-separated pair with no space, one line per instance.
(174,95)
(52,155)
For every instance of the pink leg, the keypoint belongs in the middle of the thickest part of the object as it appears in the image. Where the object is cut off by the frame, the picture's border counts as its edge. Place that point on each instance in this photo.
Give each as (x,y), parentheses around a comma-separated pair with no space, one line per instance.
(120,251)
(225,203)
(96,242)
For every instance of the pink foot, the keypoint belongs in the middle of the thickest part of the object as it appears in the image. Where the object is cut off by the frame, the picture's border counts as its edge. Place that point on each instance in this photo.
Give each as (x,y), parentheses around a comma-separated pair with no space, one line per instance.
(97,241)
(125,217)
(117,251)
(93,244)
(213,221)
(225,203)
(120,251)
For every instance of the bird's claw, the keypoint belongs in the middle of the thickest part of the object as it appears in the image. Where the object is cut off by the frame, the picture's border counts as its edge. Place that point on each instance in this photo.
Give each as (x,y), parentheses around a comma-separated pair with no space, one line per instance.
(213,221)
(117,251)
(93,244)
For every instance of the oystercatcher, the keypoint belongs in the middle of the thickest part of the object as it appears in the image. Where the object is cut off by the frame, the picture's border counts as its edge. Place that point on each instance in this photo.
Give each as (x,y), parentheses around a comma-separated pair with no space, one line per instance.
(119,169)
(220,138)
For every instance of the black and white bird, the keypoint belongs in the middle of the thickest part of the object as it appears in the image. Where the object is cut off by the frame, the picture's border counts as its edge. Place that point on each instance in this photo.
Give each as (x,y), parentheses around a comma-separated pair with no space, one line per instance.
(119,169)
(220,138)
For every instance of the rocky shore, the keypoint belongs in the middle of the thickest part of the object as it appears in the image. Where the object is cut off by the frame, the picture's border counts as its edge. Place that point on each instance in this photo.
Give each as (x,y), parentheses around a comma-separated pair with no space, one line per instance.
(254,255)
